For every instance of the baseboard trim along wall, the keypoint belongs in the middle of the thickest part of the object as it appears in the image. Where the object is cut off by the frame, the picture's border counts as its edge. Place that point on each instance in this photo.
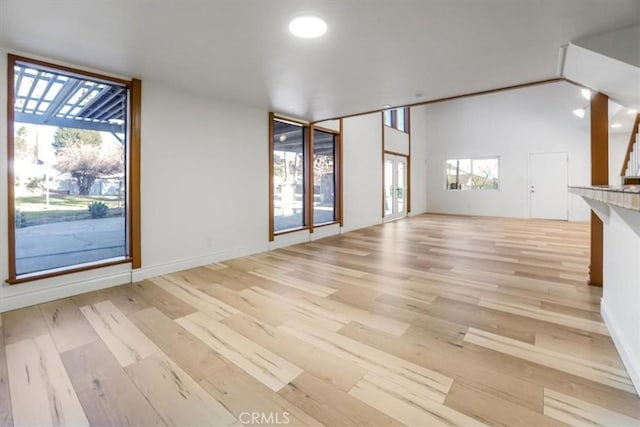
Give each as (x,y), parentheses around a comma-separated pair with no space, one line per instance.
(626,354)
(26,294)
(29,296)
(185,264)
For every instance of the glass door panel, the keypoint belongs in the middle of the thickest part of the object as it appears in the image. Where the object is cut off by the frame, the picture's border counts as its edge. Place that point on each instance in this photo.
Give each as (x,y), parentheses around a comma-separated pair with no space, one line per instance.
(388,187)
(400,185)
(395,183)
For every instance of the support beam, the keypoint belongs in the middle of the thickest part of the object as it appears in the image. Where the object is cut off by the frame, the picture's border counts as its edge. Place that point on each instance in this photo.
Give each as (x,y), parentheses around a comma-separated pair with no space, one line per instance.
(599,176)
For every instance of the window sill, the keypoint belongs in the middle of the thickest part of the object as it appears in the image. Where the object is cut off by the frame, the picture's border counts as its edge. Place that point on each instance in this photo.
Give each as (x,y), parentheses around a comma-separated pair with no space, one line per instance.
(24,278)
(326,224)
(289,231)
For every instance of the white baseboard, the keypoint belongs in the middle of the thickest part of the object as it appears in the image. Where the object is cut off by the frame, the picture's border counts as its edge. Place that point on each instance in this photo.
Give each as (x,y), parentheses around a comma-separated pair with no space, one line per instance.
(289,239)
(304,236)
(27,294)
(326,231)
(25,298)
(353,227)
(185,264)
(626,354)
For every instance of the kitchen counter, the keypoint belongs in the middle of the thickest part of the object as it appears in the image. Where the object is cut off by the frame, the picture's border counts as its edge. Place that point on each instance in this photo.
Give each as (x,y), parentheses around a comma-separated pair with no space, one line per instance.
(622,196)
(619,209)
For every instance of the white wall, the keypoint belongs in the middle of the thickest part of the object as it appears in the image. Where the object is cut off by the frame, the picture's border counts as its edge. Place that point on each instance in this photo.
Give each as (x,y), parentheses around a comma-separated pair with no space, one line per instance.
(618,143)
(204,191)
(330,124)
(396,141)
(419,154)
(509,124)
(204,179)
(362,183)
(621,287)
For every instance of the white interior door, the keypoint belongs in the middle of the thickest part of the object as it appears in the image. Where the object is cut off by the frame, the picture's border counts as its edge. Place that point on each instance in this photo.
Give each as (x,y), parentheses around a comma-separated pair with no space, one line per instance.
(395,187)
(548,197)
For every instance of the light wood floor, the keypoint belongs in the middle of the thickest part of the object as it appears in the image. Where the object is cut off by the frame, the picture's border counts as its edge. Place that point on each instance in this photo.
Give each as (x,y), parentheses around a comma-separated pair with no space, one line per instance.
(432,320)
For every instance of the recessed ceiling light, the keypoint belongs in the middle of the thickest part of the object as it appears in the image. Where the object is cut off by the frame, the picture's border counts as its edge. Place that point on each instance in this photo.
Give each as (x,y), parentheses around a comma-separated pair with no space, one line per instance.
(307,27)
(586,93)
(616,125)
(580,112)
(632,111)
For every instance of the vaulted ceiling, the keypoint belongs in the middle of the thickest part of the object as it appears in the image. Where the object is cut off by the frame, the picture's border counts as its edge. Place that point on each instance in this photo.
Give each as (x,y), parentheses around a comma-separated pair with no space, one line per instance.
(375,52)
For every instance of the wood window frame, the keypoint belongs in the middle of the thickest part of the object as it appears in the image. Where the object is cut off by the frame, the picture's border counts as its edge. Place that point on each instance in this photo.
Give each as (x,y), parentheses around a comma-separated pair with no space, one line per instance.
(408,156)
(133,214)
(309,128)
(337,171)
(306,146)
(394,119)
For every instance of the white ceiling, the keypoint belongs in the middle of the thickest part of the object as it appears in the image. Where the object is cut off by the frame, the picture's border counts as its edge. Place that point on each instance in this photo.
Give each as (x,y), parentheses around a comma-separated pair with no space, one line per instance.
(375,52)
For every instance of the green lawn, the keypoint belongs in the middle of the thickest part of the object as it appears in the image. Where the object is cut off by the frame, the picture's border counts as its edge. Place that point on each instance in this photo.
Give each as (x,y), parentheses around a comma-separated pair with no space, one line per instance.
(62,207)
(63,202)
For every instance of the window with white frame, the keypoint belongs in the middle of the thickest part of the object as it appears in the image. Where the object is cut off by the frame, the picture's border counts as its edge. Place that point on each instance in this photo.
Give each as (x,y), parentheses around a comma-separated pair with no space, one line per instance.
(473,174)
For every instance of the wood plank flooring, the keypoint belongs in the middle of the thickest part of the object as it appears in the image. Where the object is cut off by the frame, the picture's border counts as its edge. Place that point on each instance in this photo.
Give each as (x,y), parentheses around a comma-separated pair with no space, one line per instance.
(431,320)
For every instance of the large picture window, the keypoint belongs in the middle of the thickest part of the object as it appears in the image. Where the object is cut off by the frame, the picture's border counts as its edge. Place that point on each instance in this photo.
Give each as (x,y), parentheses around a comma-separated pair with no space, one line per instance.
(324,177)
(289,176)
(473,174)
(69,185)
(305,178)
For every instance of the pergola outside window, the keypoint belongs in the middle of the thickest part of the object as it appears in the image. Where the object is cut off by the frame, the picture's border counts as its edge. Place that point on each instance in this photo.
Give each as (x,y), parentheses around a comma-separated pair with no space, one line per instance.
(73,164)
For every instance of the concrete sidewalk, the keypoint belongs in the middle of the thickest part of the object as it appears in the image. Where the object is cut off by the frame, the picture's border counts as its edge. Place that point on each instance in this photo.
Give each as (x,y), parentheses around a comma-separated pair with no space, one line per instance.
(61,244)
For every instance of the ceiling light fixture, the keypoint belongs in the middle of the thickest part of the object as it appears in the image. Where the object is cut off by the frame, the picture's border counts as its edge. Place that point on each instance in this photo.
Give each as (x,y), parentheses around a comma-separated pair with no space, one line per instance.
(632,111)
(580,112)
(307,27)
(616,125)
(586,93)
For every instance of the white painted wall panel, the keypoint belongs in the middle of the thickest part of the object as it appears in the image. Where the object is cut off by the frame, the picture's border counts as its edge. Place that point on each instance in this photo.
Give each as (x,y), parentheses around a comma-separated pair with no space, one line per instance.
(396,141)
(330,124)
(362,153)
(419,177)
(621,288)
(204,177)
